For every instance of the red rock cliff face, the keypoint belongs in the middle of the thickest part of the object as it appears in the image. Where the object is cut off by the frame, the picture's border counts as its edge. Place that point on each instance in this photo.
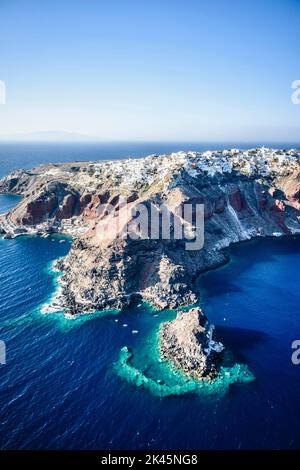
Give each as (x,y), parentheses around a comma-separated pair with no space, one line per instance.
(291,188)
(91,209)
(39,207)
(67,209)
(213,204)
(101,273)
(237,200)
(84,201)
(36,211)
(293,197)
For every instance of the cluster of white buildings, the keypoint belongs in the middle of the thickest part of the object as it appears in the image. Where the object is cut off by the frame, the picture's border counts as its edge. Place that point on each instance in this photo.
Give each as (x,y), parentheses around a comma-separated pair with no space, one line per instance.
(262,161)
(139,171)
(145,171)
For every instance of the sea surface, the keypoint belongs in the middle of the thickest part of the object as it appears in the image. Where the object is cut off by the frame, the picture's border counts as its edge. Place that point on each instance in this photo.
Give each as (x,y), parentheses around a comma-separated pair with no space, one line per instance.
(61,387)
(15,155)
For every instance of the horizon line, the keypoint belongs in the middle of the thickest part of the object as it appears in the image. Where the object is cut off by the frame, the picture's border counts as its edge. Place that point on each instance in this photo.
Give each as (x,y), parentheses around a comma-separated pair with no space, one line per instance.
(156,141)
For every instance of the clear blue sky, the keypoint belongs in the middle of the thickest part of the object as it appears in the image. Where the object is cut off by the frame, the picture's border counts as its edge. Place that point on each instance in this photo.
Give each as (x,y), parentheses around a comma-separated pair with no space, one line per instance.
(151,70)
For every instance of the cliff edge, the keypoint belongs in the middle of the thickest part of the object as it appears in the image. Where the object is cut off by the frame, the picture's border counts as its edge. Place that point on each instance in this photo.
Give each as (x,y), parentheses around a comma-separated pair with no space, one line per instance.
(245,194)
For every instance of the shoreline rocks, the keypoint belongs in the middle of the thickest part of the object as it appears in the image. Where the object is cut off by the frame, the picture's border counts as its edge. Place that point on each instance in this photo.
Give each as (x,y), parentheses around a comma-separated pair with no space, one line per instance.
(246,194)
(188,343)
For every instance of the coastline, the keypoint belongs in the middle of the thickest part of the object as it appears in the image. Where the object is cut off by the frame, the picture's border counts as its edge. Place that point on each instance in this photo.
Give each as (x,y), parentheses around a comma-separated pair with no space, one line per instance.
(236,373)
(253,240)
(227,375)
(52,307)
(246,196)
(125,368)
(172,381)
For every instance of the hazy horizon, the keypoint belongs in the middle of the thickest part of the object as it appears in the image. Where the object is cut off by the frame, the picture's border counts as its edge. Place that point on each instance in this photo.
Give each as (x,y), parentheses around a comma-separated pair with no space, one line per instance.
(60,137)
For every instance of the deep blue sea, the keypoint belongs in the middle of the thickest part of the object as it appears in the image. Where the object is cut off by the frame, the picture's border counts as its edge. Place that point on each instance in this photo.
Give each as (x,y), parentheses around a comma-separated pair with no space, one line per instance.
(59,389)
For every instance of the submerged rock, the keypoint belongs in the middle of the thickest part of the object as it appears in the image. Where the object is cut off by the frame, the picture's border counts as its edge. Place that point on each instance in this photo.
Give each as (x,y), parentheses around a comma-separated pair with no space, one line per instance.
(188,343)
(166,381)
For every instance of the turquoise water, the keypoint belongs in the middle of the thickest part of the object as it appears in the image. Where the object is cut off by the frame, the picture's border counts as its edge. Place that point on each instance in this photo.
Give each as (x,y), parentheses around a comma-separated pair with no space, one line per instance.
(143,367)
(62,388)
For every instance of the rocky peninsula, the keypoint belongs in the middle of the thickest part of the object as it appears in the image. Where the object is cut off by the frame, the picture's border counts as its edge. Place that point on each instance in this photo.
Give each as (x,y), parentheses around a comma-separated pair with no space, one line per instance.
(245,194)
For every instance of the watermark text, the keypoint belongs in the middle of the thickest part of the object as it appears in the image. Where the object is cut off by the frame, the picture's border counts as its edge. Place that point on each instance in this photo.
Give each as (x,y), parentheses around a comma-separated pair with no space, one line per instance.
(2,92)
(2,353)
(296,93)
(152,221)
(296,353)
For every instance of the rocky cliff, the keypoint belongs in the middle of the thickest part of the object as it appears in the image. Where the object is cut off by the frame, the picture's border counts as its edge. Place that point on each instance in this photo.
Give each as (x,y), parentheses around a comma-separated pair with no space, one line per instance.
(243,195)
(246,194)
(188,343)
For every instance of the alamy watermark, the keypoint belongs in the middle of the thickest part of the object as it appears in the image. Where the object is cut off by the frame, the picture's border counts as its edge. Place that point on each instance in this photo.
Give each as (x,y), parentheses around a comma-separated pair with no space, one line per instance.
(296,353)
(296,93)
(2,353)
(152,221)
(2,92)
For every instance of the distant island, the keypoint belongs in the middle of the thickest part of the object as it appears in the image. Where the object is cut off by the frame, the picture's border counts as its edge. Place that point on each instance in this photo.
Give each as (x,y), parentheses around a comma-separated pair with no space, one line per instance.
(246,194)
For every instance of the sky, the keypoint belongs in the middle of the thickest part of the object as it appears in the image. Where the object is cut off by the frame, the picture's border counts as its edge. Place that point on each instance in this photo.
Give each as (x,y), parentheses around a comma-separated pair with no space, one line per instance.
(151,70)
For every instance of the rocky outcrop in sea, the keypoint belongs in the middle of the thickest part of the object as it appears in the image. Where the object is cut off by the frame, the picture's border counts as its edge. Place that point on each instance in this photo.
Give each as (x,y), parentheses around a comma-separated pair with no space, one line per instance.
(188,343)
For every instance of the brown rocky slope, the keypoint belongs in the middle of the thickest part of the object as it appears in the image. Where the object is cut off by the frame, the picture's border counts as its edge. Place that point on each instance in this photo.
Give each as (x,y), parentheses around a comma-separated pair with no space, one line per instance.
(240,202)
